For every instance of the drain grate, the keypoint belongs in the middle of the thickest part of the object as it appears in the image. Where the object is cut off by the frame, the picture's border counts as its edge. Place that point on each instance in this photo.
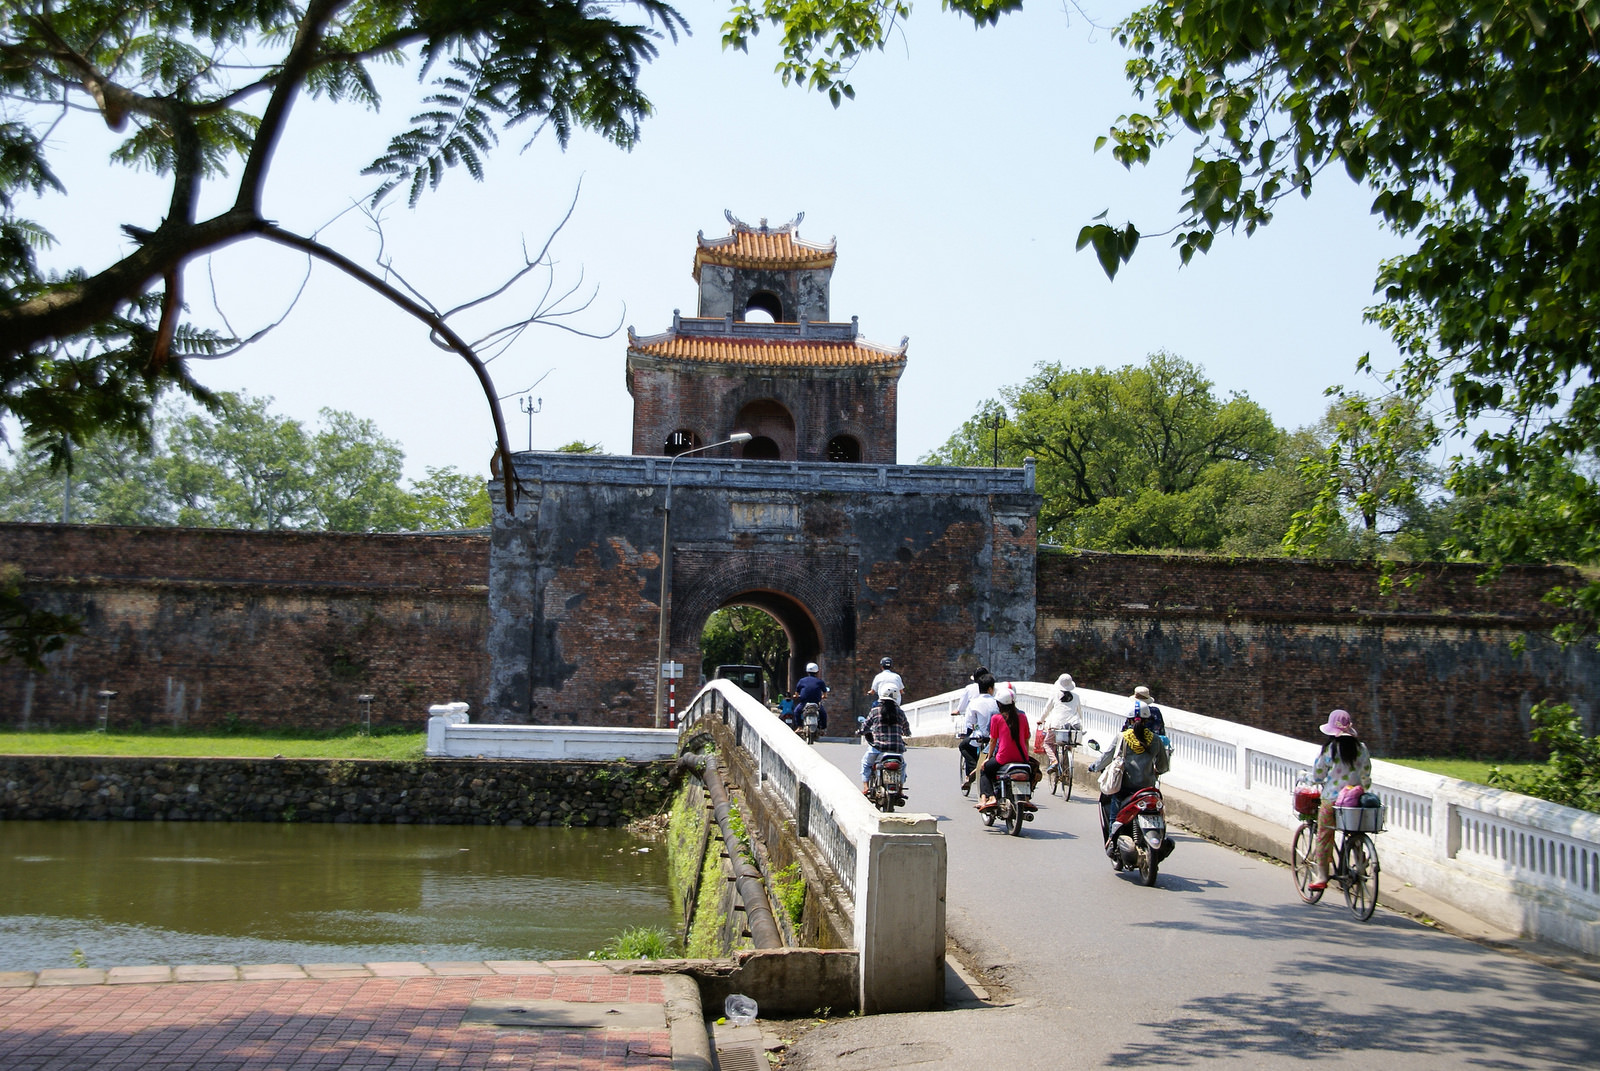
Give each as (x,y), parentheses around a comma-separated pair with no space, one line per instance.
(742,1058)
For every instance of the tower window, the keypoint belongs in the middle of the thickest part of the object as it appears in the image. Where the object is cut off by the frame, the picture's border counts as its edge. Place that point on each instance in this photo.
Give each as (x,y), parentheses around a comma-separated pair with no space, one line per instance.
(764,301)
(844,448)
(679,441)
(762,448)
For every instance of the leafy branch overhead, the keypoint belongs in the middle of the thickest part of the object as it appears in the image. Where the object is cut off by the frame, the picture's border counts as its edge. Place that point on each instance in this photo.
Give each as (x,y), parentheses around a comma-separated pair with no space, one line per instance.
(201,94)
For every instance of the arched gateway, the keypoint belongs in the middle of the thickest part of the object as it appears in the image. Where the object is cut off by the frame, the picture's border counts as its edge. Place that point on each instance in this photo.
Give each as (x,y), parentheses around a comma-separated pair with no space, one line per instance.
(811,520)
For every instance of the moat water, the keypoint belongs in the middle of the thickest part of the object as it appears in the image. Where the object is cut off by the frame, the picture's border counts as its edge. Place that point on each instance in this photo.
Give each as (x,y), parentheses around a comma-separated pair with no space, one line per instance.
(106,894)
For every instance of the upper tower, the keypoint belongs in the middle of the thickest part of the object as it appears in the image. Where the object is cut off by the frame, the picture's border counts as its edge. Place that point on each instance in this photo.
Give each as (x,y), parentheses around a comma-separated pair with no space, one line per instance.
(771,269)
(806,387)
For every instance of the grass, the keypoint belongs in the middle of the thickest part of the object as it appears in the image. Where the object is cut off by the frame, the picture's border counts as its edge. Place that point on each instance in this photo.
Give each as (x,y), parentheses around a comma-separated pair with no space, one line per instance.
(165,743)
(1464,769)
(638,942)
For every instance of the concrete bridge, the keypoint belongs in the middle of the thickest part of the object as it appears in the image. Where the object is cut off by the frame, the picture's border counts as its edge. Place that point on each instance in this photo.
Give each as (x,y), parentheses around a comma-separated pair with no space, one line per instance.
(1220,963)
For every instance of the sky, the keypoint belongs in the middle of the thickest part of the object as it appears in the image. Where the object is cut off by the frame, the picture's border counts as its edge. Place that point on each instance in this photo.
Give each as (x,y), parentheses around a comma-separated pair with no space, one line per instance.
(955,185)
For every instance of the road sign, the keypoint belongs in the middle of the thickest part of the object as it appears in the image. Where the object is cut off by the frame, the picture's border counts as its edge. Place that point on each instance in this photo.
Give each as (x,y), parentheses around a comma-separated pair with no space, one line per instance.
(672,671)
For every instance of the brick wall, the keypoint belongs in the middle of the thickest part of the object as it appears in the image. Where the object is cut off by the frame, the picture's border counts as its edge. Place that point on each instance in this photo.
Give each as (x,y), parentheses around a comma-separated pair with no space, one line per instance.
(204,628)
(1447,667)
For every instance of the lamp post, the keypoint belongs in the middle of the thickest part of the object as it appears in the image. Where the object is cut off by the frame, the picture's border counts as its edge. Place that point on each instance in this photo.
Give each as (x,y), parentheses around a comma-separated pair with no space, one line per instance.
(666,569)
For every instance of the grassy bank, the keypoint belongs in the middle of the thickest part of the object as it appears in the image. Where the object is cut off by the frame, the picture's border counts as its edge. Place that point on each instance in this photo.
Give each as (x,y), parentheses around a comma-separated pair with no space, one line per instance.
(157,743)
(1464,769)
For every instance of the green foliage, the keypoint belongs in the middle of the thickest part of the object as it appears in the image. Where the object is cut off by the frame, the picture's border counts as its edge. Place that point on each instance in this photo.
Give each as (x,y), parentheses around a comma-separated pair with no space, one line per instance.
(244,467)
(1139,457)
(1571,776)
(199,94)
(1472,125)
(1370,470)
(746,636)
(578,446)
(638,942)
(789,885)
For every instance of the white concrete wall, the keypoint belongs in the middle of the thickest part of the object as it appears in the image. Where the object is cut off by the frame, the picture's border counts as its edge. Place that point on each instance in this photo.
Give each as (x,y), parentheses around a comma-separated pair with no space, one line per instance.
(892,866)
(1523,864)
(452,735)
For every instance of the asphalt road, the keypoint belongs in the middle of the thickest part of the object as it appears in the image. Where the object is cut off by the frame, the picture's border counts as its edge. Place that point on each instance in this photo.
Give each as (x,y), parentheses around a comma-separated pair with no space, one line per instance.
(1218,965)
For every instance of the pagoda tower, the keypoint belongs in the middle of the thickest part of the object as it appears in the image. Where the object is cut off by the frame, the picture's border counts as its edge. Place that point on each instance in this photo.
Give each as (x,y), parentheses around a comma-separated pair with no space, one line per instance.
(763,355)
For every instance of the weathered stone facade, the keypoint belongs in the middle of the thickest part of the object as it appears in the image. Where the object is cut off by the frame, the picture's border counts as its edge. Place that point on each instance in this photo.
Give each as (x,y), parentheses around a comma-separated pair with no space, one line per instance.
(200,627)
(429,792)
(1446,666)
(932,566)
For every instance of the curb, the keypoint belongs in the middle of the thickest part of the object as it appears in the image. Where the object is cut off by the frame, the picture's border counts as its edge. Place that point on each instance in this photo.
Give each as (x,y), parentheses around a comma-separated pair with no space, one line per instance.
(691,1044)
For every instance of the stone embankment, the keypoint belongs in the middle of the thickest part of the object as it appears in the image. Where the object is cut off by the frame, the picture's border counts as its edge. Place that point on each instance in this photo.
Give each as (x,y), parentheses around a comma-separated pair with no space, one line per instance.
(431,791)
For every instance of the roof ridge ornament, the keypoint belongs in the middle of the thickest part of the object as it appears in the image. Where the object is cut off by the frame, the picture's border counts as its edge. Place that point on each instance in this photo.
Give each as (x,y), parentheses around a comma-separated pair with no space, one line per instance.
(740,225)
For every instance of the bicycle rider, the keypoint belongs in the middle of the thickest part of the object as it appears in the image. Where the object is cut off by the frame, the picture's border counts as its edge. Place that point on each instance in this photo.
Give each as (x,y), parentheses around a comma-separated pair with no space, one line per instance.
(1344,762)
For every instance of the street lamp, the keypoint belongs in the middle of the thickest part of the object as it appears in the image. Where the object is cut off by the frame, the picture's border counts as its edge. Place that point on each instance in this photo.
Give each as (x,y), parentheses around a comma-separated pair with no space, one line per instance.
(666,570)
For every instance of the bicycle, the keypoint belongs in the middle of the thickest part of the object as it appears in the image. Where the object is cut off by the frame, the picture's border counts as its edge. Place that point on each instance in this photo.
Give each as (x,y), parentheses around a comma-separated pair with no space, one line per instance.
(1356,867)
(1062,747)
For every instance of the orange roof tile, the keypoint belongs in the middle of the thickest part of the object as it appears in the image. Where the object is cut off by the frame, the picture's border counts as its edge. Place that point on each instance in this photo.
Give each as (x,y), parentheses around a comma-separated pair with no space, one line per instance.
(799,353)
(749,247)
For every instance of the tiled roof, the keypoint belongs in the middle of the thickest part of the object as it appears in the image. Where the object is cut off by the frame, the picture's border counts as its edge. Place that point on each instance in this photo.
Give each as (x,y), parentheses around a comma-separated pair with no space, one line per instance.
(779,248)
(767,353)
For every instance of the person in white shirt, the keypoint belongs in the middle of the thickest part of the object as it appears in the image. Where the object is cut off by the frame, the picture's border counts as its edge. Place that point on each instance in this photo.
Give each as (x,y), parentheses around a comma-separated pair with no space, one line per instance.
(887,677)
(1063,711)
(975,729)
(968,694)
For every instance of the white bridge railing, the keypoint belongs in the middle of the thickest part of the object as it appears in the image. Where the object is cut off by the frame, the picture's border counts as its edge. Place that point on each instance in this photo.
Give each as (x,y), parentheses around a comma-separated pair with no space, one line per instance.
(891,866)
(1522,864)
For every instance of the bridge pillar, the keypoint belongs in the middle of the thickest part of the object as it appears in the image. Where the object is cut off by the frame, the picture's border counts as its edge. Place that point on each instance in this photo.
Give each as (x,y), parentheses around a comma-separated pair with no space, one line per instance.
(900,914)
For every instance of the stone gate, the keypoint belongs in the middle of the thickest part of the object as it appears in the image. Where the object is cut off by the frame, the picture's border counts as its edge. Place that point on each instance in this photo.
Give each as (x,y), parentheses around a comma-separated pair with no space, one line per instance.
(933,566)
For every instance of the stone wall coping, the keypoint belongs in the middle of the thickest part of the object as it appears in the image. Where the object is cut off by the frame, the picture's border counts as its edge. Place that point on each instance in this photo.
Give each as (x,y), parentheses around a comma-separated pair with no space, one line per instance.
(796,476)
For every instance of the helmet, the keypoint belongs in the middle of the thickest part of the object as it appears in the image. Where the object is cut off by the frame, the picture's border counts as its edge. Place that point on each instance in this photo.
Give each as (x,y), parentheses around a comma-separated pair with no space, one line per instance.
(888,691)
(1005,693)
(1140,711)
(886,662)
(811,667)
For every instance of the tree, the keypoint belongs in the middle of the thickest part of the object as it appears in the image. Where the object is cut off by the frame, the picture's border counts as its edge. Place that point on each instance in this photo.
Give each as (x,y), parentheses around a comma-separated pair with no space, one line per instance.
(198,89)
(746,636)
(449,499)
(246,467)
(1473,126)
(1369,466)
(1136,457)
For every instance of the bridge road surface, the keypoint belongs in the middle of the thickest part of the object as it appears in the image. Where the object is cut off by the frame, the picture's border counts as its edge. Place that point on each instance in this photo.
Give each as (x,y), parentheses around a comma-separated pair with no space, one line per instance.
(1218,966)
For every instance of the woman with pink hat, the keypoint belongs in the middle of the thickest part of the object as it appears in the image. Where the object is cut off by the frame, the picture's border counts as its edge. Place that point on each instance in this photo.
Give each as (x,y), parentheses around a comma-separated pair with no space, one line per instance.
(1343,763)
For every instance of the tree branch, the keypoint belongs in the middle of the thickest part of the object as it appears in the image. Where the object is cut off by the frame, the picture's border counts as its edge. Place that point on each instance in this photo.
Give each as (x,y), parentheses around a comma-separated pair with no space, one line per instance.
(435,323)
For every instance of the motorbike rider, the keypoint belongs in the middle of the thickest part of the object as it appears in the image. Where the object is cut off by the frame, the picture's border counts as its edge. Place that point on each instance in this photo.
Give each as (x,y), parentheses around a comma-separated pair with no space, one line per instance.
(1008,735)
(1144,759)
(968,694)
(1063,711)
(975,728)
(885,733)
(886,675)
(1141,694)
(811,689)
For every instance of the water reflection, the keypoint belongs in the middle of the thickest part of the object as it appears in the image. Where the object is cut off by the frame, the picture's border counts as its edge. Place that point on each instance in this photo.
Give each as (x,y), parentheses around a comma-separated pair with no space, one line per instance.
(128,893)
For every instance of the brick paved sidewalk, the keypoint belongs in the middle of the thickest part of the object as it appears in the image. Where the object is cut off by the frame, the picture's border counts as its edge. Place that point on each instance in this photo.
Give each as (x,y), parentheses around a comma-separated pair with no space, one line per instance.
(389,1016)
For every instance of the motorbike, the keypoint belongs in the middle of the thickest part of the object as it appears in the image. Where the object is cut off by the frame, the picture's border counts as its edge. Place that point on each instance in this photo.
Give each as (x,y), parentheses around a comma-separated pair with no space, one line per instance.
(969,752)
(887,789)
(810,716)
(1137,838)
(1013,788)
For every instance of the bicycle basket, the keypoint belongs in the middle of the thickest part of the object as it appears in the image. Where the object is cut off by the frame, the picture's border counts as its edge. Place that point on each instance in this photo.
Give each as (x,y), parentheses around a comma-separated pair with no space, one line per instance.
(1307,798)
(1068,737)
(1360,819)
